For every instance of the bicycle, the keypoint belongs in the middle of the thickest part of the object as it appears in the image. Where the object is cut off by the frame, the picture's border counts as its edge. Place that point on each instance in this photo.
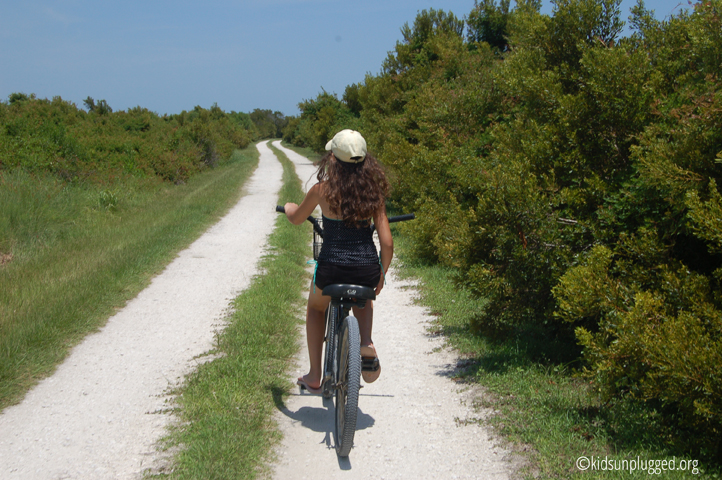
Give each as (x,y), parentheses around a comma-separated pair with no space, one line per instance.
(342,364)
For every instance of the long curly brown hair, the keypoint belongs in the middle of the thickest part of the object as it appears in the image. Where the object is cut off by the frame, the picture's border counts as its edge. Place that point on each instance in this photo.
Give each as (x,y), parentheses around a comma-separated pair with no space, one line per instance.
(355,191)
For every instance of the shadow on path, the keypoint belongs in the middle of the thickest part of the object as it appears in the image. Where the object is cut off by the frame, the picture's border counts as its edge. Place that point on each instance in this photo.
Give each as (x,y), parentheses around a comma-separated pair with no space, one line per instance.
(320,419)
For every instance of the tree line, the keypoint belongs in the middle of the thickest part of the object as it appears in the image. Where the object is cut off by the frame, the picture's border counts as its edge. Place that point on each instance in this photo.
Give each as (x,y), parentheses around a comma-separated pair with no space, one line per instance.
(570,176)
(55,136)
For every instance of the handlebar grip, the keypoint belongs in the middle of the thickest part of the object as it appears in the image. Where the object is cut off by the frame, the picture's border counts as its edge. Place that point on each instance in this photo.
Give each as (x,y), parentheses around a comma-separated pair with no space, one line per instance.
(280,209)
(402,218)
(398,218)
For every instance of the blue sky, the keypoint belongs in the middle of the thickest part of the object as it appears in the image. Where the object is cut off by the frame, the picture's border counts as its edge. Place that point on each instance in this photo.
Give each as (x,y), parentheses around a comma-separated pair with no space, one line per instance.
(169,56)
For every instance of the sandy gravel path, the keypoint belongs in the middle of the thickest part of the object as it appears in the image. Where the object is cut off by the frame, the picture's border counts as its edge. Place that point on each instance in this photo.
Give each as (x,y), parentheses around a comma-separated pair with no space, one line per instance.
(412,422)
(99,416)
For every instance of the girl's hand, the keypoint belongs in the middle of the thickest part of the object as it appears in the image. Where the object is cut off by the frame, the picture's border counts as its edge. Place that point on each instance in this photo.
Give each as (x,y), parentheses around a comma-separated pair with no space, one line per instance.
(290,208)
(380,285)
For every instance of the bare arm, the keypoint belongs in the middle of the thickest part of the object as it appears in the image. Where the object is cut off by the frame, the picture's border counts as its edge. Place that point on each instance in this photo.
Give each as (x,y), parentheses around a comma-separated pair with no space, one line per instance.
(387,244)
(297,214)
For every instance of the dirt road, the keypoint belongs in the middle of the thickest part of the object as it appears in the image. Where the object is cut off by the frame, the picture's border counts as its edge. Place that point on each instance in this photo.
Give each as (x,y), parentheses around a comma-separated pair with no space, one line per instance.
(102,412)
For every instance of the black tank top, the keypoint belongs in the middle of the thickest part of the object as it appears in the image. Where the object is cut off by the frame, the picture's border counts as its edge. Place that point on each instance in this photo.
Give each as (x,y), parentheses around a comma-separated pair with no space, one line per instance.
(345,245)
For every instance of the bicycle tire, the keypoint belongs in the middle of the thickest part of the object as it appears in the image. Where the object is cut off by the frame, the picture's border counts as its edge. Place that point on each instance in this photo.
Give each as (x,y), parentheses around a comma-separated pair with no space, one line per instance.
(347,384)
(329,369)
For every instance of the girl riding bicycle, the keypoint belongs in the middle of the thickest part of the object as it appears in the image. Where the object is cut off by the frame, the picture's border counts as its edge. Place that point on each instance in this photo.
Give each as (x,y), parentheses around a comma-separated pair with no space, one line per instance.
(351,190)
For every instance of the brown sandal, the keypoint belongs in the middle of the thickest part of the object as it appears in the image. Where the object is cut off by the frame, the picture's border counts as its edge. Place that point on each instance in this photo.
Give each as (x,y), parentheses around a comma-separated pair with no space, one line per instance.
(370,366)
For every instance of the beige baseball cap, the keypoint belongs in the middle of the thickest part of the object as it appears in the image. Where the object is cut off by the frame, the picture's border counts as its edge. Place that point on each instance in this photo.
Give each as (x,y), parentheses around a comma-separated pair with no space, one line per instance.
(348,146)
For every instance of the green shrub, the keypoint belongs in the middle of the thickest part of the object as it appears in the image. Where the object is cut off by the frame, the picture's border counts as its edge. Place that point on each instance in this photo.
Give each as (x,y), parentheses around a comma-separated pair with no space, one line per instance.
(570,178)
(651,333)
(39,135)
(320,119)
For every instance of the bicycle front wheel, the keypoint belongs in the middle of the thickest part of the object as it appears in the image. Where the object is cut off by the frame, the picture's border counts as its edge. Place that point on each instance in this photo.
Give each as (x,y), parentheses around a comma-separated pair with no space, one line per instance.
(348,382)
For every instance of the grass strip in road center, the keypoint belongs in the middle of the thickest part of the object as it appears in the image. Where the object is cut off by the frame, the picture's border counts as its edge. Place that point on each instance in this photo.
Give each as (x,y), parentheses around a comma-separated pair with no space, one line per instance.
(225,407)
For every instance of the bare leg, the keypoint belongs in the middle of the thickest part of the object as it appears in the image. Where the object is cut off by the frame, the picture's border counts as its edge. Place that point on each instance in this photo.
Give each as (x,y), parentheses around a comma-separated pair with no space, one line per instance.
(315,330)
(365,317)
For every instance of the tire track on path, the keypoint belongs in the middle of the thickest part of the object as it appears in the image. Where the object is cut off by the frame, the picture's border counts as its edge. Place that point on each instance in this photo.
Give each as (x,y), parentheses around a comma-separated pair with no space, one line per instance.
(101,413)
(414,421)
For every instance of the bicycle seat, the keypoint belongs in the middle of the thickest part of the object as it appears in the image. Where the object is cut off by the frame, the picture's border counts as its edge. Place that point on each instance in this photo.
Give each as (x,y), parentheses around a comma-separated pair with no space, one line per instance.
(344,290)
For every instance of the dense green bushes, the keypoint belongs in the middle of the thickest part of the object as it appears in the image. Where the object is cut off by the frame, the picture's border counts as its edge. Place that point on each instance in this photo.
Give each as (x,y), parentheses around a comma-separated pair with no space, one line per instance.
(571,178)
(269,124)
(319,117)
(55,136)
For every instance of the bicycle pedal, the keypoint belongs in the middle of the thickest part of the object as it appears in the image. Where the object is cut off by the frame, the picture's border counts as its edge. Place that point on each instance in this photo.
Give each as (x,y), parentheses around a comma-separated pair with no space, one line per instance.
(369,364)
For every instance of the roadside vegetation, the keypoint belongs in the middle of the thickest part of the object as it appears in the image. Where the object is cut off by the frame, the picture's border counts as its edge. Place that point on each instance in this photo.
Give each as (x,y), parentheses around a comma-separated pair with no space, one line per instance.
(100,145)
(225,427)
(312,155)
(92,205)
(565,179)
(539,405)
(78,252)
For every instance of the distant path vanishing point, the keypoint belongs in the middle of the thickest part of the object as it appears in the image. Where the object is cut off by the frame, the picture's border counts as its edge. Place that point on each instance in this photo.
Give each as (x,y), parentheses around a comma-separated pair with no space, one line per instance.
(415,422)
(101,413)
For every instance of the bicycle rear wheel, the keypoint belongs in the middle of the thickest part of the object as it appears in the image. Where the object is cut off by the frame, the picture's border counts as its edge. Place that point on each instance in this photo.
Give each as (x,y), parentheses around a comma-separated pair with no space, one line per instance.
(348,382)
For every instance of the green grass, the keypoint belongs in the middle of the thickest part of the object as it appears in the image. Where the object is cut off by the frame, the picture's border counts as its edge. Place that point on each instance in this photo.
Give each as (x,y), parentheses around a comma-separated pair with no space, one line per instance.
(77,252)
(305,151)
(225,407)
(546,412)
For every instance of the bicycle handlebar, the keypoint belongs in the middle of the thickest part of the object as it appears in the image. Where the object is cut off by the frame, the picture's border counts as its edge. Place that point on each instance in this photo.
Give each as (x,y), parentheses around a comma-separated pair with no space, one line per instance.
(397,218)
(319,230)
(402,218)
(312,219)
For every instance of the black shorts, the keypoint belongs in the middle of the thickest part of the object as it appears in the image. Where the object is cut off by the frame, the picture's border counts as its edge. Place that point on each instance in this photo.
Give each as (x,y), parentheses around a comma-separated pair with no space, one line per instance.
(363,275)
